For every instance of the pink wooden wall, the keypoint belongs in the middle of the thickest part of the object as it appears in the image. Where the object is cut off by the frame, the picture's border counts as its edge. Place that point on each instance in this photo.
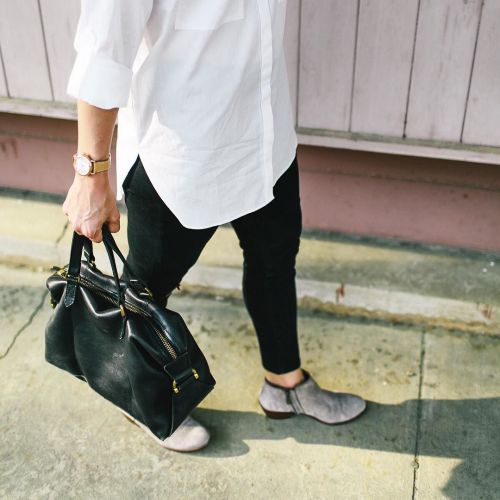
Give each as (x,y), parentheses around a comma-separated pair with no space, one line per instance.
(419,78)
(418,199)
(415,77)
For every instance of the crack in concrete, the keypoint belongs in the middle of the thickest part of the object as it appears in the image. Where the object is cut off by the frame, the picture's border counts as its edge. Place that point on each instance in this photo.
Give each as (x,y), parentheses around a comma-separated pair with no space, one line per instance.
(39,306)
(418,416)
(25,326)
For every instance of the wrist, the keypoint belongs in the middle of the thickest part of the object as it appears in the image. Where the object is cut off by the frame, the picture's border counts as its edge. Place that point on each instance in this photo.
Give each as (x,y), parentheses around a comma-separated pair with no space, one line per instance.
(94,153)
(97,179)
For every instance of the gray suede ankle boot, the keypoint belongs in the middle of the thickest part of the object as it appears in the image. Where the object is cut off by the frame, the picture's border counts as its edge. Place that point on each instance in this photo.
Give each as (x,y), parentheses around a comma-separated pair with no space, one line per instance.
(189,436)
(307,398)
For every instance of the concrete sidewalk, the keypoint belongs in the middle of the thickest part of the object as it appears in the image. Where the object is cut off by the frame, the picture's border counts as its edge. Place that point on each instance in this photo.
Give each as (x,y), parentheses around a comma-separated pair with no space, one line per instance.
(430,431)
(401,283)
(413,330)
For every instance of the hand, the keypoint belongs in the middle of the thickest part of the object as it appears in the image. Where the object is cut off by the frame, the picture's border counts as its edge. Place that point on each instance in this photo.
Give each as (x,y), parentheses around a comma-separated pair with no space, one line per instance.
(89,204)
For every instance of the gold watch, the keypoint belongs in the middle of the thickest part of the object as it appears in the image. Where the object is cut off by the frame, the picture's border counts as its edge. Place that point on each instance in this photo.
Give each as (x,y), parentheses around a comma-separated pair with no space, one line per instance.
(85,165)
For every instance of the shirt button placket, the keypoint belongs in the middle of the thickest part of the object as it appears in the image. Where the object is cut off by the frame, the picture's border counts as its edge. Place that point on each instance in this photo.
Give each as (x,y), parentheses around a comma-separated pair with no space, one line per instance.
(266,44)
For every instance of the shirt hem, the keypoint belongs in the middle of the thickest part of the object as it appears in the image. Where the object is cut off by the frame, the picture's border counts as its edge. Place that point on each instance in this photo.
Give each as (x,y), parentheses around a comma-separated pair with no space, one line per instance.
(245,211)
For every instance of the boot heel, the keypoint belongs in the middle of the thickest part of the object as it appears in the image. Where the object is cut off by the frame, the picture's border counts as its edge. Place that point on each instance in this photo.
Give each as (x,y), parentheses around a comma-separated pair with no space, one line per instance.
(277,415)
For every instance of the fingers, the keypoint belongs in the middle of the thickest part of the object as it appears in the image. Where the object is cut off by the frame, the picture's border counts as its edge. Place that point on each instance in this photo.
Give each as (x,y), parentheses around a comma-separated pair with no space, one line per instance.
(88,208)
(114,223)
(114,227)
(90,230)
(93,230)
(94,233)
(97,236)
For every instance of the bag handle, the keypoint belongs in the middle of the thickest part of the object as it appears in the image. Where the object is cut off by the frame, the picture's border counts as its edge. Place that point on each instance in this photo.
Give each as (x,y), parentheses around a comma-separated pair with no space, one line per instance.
(81,242)
(110,243)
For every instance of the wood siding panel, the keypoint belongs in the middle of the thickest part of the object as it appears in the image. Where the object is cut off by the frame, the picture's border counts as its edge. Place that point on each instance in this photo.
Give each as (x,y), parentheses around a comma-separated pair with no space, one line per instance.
(349,64)
(443,61)
(327,47)
(23,50)
(482,123)
(3,82)
(291,47)
(383,63)
(60,18)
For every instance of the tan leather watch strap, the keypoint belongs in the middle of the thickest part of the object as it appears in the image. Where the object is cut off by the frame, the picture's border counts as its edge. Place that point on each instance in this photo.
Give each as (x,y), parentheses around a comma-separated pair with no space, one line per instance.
(101,165)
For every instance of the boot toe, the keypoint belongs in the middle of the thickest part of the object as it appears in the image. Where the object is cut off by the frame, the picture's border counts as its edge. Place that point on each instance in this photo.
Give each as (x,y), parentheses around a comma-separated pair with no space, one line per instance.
(353,407)
(327,406)
(189,436)
(336,408)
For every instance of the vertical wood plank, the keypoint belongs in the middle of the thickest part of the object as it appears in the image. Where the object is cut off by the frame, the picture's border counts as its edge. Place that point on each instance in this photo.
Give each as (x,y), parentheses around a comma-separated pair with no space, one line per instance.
(383,63)
(327,46)
(60,18)
(482,122)
(23,50)
(3,81)
(443,61)
(291,47)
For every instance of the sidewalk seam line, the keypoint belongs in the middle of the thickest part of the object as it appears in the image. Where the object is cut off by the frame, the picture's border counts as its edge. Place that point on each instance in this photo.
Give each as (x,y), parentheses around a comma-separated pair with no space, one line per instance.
(416,454)
(25,326)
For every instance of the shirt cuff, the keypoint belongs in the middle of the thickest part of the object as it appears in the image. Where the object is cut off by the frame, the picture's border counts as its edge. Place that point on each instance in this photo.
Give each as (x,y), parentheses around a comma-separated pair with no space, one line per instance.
(100,81)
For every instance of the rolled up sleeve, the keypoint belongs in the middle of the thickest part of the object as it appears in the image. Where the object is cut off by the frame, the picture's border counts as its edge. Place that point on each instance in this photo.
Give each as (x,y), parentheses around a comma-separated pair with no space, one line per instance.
(107,39)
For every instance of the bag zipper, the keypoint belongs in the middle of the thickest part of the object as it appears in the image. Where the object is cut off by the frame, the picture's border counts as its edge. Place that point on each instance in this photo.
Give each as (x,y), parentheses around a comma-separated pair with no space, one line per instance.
(88,284)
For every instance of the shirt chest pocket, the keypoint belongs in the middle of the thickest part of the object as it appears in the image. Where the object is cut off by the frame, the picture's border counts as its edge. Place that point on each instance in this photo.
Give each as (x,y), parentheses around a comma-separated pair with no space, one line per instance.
(207,14)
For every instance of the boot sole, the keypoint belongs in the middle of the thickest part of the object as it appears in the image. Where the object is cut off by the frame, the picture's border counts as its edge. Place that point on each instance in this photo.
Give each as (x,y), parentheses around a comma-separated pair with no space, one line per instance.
(278,415)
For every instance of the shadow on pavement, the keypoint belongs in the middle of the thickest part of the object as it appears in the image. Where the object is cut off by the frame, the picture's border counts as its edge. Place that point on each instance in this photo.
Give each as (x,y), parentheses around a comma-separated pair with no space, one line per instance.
(468,430)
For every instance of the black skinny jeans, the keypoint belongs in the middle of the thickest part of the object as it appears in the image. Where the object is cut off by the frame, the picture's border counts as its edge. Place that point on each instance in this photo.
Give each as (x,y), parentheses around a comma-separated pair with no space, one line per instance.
(161,251)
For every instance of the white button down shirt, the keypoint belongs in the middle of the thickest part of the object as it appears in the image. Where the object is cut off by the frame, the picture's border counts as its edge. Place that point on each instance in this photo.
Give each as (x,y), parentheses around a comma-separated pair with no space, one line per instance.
(204,97)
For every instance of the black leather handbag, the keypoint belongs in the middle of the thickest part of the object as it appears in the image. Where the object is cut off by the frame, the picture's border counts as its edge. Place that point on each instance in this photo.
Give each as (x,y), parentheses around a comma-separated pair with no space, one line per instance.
(113,335)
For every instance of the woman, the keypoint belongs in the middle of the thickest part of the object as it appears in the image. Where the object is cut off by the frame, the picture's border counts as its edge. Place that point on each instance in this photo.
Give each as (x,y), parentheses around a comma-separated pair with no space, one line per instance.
(206,137)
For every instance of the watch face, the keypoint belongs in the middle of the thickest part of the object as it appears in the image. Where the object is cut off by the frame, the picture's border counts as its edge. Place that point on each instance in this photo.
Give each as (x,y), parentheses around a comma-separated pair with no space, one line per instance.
(82,165)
